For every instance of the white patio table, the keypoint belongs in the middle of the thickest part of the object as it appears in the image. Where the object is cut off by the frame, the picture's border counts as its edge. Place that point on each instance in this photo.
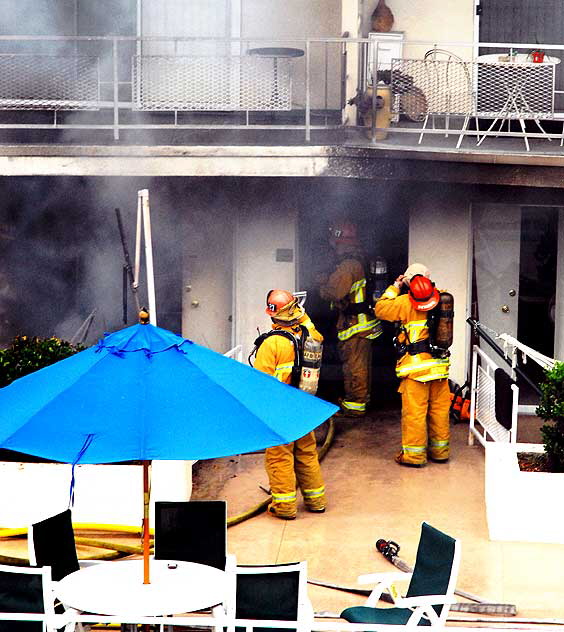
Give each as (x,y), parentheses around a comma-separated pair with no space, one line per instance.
(521,87)
(116,588)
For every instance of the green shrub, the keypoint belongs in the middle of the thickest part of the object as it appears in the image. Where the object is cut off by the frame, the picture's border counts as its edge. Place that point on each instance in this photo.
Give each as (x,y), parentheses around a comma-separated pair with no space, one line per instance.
(551,409)
(28,354)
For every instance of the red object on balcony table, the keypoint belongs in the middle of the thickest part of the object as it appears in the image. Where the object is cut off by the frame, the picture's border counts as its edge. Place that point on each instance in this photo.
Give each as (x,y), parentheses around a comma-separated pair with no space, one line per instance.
(538,57)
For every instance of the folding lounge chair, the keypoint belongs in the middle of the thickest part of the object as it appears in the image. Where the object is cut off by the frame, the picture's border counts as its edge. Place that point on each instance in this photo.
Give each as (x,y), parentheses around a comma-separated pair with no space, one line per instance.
(430,592)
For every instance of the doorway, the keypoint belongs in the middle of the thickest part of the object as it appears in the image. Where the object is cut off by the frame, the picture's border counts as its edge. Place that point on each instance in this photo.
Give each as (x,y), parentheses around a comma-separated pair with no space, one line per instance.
(515,257)
(379,211)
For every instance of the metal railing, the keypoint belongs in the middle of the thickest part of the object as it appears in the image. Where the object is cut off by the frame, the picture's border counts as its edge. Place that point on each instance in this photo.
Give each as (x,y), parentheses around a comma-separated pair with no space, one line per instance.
(236,353)
(157,83)
(483,422)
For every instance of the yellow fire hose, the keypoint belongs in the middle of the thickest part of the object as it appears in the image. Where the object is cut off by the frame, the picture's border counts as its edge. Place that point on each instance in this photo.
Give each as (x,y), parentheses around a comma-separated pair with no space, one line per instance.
(118,550)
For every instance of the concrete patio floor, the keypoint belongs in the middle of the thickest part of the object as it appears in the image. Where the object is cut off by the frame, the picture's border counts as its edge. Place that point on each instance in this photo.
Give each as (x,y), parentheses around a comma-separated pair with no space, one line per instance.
(371,497)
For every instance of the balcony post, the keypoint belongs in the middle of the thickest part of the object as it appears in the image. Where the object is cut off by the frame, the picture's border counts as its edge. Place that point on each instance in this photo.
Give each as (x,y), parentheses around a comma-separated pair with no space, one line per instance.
(308,92)
(116,87)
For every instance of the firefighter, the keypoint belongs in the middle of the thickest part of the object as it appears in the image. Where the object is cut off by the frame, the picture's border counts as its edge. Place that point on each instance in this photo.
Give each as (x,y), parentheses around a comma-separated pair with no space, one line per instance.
(296,461)
(345,288)
(424,388)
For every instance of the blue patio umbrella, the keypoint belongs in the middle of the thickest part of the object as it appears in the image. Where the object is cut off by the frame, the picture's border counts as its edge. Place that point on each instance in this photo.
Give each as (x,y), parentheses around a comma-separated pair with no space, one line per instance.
(144,393)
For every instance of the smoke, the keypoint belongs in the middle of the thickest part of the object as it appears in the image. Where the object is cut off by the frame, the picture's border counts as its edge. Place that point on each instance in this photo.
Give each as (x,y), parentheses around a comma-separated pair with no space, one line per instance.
(65,259)
(61,254)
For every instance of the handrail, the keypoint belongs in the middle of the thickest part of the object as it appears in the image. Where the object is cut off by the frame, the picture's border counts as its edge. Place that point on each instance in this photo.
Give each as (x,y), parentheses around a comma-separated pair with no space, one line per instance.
(480,331)
(317,78)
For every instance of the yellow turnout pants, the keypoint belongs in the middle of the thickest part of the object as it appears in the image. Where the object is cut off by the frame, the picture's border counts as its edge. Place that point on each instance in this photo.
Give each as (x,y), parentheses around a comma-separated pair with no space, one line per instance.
(356,355)
(425,427)
(291,462)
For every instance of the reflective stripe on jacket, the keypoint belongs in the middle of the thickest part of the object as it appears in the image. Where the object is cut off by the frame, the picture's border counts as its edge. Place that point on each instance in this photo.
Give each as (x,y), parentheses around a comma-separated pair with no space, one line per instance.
(347,285)
(421,367)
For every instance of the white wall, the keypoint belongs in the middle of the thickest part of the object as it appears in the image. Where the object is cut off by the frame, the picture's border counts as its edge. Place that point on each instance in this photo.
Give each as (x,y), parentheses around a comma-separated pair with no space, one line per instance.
(259,233)
(440,237)
(104,494)
(430,21)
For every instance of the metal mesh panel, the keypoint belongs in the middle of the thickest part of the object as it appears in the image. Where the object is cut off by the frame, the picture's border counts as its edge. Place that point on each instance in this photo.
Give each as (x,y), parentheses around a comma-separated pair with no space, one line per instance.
(485,407)
(515,90)
(436,87)
(504,90)
(48,82)
(212,83)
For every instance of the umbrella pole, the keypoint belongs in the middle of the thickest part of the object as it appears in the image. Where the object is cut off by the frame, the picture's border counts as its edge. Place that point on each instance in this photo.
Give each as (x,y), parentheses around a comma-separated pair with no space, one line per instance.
(146,544)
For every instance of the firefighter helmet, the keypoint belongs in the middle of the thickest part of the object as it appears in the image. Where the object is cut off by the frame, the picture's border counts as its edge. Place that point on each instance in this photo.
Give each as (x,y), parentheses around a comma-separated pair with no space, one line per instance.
(422,293)
(344,233)
(283,305)
(417,268)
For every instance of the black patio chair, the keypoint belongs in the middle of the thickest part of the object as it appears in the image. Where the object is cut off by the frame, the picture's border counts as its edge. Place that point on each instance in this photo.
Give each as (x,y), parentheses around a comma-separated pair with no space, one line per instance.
(277,592)
(192,531)
(29,591)
(51,543)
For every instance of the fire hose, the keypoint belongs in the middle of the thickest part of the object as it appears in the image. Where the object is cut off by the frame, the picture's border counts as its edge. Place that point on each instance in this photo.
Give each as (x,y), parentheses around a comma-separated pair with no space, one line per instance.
(390,550)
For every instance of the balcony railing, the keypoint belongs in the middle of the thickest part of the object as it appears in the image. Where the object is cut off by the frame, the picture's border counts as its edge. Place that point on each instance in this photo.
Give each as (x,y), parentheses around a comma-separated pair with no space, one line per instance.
(452,95)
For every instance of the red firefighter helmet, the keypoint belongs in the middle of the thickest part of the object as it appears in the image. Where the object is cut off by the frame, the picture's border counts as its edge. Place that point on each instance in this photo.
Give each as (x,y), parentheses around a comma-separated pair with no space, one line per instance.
(344,233)
(283,305)
(422,293)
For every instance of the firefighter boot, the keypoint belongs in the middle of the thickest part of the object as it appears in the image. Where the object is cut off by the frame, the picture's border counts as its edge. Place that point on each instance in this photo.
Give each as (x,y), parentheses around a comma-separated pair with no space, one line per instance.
(284,511)
(400,461)
(348,410)
(316,505)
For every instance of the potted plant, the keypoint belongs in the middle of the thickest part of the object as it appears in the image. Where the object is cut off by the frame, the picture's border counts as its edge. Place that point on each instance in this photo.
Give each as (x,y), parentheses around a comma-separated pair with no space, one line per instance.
(524,504)
(551,409)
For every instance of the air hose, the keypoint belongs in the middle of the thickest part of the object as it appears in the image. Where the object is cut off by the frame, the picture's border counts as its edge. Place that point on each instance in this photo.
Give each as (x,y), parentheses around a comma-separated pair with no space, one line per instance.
(118,550)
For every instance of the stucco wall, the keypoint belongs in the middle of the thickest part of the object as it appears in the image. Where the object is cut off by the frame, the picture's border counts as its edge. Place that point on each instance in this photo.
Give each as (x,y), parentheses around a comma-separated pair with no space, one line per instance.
(433,21)
(440,237)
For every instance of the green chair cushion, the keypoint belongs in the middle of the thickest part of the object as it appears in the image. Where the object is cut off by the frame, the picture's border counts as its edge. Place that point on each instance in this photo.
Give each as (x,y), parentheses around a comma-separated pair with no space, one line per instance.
(389,616)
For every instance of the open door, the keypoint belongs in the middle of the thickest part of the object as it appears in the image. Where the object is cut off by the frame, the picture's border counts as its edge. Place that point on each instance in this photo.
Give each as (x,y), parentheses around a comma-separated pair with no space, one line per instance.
(515,259)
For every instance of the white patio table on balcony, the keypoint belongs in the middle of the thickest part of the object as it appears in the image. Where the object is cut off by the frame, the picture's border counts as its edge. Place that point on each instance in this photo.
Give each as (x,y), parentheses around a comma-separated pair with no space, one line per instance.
(515,87)
(116,588)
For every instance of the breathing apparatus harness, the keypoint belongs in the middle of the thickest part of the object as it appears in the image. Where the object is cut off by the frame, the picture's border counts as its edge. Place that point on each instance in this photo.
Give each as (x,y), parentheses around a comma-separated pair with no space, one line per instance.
(297,341)
(307,357)
(430,344)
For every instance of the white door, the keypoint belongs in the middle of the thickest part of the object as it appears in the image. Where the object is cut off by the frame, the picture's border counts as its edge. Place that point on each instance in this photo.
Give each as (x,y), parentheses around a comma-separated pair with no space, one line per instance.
(517,277)
(497,245)
(208,278)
